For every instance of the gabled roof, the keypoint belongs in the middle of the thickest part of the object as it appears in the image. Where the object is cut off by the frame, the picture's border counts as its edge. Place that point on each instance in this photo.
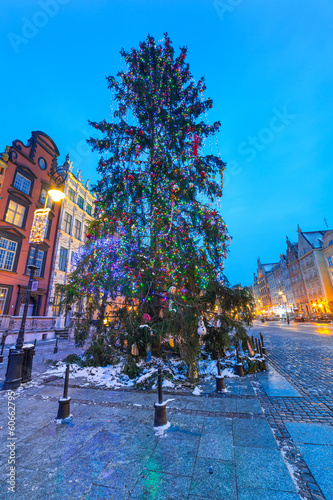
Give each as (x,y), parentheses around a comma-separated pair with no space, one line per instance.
(314,238)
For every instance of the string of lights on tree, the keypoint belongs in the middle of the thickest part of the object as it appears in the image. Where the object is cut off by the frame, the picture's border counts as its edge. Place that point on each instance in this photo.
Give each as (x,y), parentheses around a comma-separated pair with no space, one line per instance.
(155,174)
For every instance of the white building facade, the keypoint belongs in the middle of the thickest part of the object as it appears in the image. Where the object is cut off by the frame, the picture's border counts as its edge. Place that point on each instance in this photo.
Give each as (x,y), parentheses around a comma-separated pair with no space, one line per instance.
(76,214)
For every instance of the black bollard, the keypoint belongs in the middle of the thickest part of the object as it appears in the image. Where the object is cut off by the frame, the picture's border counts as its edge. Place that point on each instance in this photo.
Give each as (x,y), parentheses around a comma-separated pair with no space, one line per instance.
(239,366)
(55,350)
(219,379)
(263,361)
(264,350)
(2,348)
(253,344)
(64,402)
(35,343)
(160,407)
(257,346)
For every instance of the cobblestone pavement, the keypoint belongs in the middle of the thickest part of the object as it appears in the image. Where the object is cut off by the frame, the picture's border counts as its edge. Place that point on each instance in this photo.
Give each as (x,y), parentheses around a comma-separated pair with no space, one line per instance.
(269,437)
(299,407)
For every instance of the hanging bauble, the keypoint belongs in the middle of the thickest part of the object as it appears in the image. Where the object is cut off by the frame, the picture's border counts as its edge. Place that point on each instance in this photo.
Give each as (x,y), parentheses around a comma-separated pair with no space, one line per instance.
(146,317)
(202,173)
(172,289)
(130,177)
(96,126)
(191,185)
(175,188)
(134,350)
(171,343)
(201,326)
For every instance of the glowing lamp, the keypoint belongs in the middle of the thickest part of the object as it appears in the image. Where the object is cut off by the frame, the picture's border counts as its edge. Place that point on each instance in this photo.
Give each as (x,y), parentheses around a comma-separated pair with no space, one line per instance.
(56,195)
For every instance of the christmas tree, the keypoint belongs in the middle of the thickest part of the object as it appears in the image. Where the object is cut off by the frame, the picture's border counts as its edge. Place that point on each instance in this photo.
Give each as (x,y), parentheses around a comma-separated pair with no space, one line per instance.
(157,248)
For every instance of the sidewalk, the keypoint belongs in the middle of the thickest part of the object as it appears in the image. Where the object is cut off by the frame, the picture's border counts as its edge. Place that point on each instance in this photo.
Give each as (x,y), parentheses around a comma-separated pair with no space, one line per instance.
(109,450)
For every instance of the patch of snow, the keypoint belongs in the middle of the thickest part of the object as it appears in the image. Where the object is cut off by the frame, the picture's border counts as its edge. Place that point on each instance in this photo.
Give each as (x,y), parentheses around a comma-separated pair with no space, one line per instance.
(196,392)
(159,431)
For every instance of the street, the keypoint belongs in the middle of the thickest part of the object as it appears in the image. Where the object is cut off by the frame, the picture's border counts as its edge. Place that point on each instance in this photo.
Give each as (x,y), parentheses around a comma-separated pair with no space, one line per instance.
(269,437)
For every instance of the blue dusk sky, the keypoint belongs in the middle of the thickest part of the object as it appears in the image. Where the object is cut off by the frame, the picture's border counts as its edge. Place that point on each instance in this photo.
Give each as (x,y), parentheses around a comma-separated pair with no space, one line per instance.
(268,68)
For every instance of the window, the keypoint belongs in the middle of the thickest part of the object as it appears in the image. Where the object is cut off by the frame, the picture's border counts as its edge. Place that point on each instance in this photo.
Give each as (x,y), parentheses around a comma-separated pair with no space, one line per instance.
(3,296)
(15,213)
(71,194)
(57,303)
(63,259)
(88,209)
(42,197)
(67,223)
(22,183)
(39,261)
(73,257)
(7,254)
(314,271)
(77,229)
(310,274)
(80,201)
(305,275)
(329,260)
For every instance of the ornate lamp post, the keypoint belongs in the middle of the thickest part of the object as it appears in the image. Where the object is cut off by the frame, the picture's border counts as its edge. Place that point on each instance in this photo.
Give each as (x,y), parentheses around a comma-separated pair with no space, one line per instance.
(37,235)
(284,300)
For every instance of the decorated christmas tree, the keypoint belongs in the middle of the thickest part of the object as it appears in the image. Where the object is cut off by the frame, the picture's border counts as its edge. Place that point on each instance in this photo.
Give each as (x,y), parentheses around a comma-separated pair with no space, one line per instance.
(155,258)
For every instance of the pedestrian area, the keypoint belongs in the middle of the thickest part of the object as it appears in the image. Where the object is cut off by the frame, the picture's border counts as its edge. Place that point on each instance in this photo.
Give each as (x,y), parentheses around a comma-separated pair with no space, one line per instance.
(217,446)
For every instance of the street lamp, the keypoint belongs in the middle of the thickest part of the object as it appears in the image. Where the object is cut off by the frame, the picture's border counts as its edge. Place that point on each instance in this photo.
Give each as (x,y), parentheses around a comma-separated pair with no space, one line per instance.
(37,235)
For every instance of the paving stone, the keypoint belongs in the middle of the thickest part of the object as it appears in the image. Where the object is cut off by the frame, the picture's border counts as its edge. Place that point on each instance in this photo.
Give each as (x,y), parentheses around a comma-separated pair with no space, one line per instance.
(262,494)
(248,406)
(153,485)
(221,484)
(253,433)
(97,492)
(265,470)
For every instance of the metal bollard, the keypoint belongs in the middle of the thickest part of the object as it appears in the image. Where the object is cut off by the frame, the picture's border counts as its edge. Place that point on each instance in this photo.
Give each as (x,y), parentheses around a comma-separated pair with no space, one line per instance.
(264,350)
(219,379)
(35,343)
(55,350)
(239,366)
(160,407)
(64,402)
(2,348)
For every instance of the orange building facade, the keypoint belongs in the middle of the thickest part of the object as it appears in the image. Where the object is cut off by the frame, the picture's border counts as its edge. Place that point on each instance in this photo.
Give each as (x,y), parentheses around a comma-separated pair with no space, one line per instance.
(24,186)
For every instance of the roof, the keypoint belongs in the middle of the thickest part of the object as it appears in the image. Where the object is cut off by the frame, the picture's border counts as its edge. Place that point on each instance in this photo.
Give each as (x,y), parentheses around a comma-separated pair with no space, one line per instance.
(268,267)
(315,238)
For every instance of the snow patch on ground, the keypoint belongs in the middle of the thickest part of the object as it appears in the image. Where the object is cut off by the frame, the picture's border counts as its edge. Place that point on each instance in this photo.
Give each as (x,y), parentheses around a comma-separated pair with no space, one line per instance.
(196,392)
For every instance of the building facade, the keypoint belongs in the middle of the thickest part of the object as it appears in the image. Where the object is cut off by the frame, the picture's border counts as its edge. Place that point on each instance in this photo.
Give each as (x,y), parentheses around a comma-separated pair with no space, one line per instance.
(76,213)
(302,281)
(26,171)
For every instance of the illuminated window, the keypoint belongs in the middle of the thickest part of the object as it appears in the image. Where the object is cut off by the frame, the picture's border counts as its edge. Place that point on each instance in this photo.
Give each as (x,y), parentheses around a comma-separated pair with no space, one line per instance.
(7,254)
(3,296)
(57,303)
(15,214)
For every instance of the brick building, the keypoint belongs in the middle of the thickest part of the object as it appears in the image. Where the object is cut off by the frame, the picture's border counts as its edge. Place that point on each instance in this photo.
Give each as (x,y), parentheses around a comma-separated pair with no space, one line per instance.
(26,171)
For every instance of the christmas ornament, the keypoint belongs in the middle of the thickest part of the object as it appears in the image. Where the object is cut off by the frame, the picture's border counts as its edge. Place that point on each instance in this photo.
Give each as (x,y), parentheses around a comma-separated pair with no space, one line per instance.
(146,317)
(201,327)
(172,290)
(171,343)
(134,350)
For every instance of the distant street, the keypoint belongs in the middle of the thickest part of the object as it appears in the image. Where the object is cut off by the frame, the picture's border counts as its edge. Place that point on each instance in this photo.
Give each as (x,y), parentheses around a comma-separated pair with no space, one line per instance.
(302,352)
